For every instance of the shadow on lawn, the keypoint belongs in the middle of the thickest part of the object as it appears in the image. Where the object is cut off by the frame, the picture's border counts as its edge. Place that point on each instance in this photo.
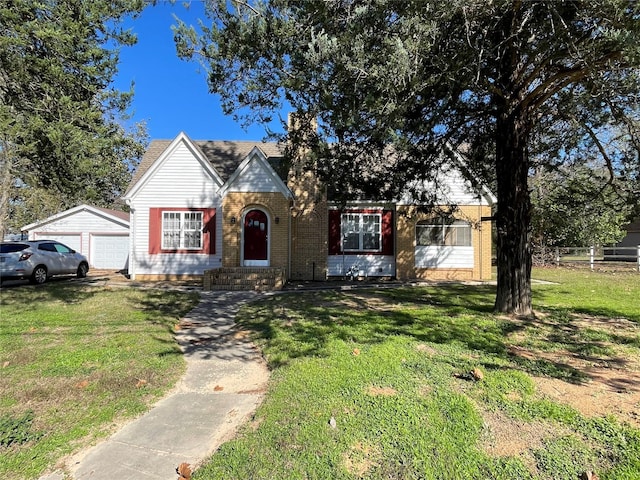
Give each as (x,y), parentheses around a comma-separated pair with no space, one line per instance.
(298,325)
(160,308)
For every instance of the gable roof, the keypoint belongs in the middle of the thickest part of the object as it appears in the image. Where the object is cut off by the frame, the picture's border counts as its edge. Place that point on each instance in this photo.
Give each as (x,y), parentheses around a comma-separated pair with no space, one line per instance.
(115,216)
(257,155)
(223,155)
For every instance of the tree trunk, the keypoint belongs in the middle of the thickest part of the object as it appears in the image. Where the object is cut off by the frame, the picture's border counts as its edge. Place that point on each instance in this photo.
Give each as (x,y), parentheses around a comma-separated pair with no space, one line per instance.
(6,178)
(513,215)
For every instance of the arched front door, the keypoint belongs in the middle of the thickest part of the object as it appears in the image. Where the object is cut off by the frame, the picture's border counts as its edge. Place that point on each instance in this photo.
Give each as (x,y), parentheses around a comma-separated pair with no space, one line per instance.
(256,239)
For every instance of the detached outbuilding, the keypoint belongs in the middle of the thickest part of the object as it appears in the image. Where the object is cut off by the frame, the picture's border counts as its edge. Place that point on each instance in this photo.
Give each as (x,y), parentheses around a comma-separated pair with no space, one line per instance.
(101,234)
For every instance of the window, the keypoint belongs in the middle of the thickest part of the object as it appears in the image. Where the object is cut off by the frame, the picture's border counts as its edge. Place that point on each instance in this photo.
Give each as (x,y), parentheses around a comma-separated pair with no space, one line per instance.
(182,230)
(47,247)
(361,231)
(60,248)
(443,231)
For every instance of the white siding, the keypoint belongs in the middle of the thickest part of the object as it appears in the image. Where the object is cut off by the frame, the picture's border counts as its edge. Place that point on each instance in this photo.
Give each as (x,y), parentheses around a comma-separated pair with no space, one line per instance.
(366,265)
(451,188)
(254,178)
(180,181)
(444,257)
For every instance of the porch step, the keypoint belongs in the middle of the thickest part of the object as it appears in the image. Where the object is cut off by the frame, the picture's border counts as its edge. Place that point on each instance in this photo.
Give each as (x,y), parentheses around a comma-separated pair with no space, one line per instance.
(244,278)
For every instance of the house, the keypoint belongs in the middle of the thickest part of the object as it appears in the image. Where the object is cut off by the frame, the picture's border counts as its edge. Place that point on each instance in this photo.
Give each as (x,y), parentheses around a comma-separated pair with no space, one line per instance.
(101,234)
(632,238)
(627,249)
(234,209)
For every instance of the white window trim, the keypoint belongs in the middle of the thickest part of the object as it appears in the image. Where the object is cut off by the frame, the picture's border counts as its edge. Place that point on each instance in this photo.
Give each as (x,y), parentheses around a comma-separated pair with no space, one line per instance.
(181,241)
(361,231)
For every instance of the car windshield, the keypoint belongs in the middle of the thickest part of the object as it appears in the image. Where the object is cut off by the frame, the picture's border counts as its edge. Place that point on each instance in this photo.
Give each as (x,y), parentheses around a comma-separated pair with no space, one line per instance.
(12,247)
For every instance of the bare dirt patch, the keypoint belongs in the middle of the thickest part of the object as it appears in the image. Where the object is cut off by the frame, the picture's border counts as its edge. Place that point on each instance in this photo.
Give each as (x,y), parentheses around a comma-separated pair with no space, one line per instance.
(594,399)
(360,459)
(376,391)
(609,366)
(503,436)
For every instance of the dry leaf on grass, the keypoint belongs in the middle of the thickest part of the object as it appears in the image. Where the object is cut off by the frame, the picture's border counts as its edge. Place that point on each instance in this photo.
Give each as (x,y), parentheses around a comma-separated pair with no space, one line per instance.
(332,422)
(218,388)
(356,351)
(141,383)
(589,476)
(82,384)
(184,471)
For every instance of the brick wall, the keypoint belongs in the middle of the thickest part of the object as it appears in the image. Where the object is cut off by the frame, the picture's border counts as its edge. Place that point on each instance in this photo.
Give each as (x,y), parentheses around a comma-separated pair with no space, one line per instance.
(235,205)
(310,227)
(407,217)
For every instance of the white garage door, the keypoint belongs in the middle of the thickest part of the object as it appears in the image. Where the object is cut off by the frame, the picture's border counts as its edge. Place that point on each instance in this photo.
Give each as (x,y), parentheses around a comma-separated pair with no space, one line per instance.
(109,251)
(70,240)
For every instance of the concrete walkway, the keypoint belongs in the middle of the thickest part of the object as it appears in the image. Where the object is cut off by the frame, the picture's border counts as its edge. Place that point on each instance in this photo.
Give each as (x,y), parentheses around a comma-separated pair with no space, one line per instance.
(225,381)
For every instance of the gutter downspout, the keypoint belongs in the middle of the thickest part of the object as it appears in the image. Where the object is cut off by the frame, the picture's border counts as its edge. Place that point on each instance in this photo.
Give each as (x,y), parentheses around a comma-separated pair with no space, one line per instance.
(131,269)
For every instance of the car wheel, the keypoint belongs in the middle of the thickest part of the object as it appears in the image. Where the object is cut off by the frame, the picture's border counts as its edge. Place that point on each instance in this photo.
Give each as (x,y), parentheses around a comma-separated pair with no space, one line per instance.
(39,275)
(83,268)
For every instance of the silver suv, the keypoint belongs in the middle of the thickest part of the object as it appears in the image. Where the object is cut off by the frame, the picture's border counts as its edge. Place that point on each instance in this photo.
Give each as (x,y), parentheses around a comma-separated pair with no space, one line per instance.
(38,260)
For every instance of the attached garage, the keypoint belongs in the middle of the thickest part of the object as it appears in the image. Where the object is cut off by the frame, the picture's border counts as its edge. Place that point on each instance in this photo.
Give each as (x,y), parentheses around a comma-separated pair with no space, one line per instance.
(101,234)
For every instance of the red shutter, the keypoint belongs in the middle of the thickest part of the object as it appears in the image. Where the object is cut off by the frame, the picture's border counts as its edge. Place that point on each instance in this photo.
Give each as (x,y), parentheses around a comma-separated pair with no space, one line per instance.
(387,232)
(335,220)
(209,231)
(155,230)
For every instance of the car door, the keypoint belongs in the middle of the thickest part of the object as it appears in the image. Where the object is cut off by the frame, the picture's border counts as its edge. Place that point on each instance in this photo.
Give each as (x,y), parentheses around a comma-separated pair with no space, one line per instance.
(49,256)
(67,258)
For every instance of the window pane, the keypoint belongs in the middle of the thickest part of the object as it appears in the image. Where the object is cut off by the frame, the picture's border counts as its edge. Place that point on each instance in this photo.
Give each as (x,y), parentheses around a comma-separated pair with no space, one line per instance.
(192,235)
(192,240)
(171,230)
(370,241)
(352,241)
(171,239)
(350,232)
(61,248)
(458,234)
(371,232)
(428,233)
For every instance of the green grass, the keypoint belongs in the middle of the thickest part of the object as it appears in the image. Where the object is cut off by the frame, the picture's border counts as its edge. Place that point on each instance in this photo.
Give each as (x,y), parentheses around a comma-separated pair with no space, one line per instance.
(609,294)
(391,367)
(75,361)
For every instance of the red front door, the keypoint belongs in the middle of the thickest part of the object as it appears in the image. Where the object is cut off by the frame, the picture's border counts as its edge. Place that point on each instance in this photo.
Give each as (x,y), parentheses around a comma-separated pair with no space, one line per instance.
(256,238)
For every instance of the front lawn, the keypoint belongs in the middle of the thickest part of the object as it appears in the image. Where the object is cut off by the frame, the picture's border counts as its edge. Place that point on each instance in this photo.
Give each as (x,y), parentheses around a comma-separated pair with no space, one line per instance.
(76,361)
(428,383)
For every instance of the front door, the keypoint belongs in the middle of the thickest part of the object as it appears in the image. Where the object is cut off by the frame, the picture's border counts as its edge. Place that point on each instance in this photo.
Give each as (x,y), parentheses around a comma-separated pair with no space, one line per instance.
(256,239)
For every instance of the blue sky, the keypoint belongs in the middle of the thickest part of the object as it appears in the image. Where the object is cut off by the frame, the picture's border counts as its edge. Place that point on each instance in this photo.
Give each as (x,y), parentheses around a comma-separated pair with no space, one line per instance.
(171,95)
